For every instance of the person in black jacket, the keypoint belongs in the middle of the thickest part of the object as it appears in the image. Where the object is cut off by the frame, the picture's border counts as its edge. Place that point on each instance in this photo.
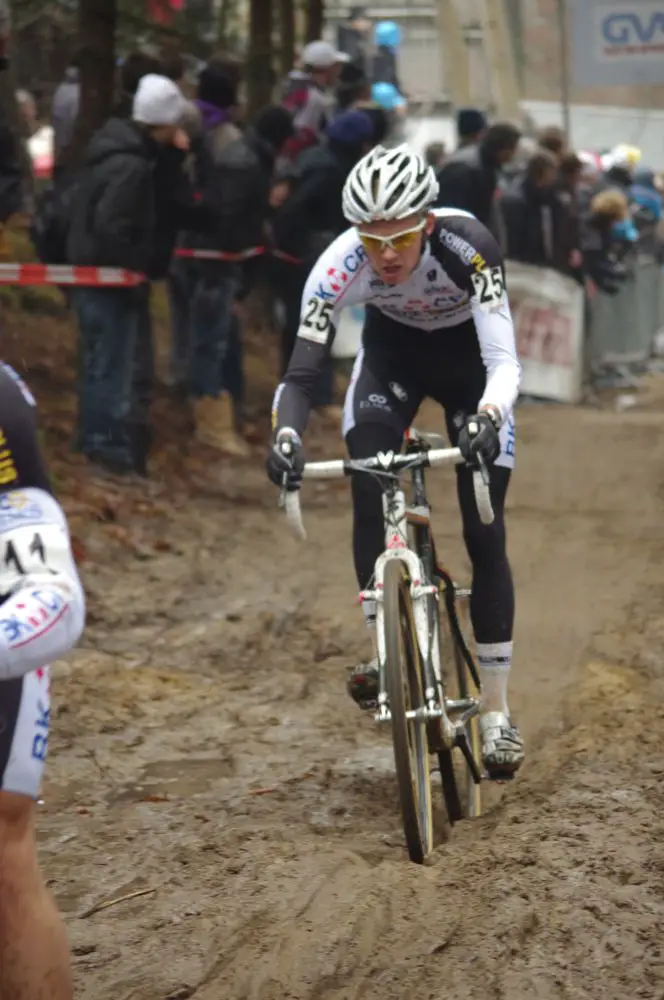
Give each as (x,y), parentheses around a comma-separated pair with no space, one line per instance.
(353,37)
(471,126)
(131,199)
(234,174)
(537,224)
(11,180)
(468,179)
(353,86)
(311,219)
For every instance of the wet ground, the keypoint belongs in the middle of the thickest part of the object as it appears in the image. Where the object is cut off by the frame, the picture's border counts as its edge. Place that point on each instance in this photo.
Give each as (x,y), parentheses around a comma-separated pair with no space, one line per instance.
(205,755)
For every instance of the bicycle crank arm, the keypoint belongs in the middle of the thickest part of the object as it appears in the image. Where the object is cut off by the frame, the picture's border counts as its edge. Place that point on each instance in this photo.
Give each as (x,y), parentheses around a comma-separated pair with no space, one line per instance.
(469,707)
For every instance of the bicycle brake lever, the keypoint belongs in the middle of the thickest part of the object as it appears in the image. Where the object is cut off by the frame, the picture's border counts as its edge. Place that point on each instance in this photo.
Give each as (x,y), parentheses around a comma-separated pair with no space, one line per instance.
(484,472)
(283,490)
(286,450)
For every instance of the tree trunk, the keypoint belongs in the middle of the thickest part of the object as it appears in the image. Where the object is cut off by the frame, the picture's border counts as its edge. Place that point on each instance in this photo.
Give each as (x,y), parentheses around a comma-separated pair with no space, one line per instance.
(223,24)
(10,119)
(286,35)
(97,21)
(10,122)
(260,76)
(315,17)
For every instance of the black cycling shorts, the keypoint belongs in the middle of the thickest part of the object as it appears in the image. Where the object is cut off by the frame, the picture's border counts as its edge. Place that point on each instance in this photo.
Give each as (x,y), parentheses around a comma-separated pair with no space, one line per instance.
(399,366)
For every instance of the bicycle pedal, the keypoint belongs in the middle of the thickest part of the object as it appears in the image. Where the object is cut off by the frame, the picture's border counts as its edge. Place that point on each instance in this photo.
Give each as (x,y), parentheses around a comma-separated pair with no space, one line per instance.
(362,686)
(499,777)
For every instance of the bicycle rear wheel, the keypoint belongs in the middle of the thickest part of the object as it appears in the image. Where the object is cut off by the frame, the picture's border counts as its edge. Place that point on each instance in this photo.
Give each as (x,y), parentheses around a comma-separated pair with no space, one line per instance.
(446,762)
(403,680)
(471,791)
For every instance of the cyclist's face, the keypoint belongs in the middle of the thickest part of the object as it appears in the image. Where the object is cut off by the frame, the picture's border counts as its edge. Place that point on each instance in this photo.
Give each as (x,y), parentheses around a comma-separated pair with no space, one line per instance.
(394,248)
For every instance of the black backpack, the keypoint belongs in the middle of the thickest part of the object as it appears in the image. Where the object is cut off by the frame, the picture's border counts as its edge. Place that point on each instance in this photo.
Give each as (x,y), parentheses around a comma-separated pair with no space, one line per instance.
(52,217)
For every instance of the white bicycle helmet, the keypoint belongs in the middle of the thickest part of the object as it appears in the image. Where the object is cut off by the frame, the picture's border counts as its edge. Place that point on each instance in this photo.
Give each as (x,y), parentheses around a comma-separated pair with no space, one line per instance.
(388,184)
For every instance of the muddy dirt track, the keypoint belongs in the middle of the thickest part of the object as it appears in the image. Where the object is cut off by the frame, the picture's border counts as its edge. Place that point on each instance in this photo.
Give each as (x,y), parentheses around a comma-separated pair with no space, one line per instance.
(204,748)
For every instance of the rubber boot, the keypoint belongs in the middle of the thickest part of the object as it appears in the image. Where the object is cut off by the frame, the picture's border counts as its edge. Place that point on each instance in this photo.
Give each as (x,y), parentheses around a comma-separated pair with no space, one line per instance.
(215,426)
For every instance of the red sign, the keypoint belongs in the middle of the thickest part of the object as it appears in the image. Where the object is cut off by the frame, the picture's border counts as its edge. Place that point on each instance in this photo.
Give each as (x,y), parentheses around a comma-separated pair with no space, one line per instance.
(164,11)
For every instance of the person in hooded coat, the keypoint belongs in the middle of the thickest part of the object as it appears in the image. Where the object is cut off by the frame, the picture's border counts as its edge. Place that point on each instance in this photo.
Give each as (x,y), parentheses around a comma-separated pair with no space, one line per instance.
(128,208)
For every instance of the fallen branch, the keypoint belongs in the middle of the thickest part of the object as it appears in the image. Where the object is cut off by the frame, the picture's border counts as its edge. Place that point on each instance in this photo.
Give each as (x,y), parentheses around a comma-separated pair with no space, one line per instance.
(113,902)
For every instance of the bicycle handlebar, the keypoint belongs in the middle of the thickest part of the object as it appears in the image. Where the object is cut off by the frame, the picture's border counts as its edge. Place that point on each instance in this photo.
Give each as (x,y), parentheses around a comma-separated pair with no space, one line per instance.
(387,463)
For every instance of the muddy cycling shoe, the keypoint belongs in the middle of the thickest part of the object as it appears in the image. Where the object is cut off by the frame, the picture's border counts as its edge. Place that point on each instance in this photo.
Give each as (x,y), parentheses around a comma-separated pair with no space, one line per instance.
(363,684)
(502,746)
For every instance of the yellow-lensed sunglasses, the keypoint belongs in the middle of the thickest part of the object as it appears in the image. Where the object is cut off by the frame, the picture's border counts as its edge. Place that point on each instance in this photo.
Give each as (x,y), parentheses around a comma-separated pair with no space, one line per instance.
(397,241)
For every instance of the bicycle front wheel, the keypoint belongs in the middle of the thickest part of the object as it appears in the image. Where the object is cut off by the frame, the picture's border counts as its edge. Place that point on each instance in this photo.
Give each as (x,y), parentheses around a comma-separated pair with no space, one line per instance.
(403,680)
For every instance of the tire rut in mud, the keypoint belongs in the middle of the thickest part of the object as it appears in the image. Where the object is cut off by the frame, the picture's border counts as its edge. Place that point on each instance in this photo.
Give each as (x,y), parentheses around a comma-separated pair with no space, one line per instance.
(204,747)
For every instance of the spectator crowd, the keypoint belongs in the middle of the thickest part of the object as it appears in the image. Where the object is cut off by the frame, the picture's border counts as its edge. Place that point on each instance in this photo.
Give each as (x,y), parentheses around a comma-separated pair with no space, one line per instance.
(579,213)
(178,186)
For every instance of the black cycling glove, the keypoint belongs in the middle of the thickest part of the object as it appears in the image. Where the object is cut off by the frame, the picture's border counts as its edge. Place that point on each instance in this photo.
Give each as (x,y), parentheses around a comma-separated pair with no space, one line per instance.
(285,461)
(479,436)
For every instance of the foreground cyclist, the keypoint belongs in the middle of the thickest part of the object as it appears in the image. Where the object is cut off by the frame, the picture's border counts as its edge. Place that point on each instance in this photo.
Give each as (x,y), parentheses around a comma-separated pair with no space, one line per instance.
(42,611)
(437,325)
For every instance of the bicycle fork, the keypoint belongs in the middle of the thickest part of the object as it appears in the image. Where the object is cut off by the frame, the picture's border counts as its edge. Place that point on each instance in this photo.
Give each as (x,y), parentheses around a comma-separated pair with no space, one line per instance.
(395,512)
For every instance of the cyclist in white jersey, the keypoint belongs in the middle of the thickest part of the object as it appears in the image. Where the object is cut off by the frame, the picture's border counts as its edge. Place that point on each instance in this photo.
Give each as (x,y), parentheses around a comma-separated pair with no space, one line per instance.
(438,325)
(42,612)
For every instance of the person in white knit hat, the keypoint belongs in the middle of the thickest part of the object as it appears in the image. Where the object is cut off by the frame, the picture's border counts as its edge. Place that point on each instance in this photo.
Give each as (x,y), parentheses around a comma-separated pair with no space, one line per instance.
(161,107)
(132,200)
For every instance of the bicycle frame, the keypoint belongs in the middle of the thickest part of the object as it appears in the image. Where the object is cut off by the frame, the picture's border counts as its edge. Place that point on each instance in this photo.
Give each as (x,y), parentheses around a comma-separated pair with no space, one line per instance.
(396,514)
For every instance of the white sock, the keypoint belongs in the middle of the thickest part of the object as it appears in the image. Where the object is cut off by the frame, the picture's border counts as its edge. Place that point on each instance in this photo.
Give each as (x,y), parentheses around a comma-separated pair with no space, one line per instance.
(494,661)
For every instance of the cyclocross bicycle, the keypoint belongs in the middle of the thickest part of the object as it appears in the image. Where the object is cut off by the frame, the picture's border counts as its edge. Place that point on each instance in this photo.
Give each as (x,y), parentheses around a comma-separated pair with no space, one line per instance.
(429,687)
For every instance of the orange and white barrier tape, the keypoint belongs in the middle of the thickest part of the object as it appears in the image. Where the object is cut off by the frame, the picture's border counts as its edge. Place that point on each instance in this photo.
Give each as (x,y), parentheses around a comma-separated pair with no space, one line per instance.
(63,274)
(220,254)
(236,257)
(286,257)
(114,277)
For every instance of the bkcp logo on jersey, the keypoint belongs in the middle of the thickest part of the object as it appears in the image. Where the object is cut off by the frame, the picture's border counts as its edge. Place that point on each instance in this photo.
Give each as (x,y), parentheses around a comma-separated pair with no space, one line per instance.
(338,277)
(34,616)
(20,506)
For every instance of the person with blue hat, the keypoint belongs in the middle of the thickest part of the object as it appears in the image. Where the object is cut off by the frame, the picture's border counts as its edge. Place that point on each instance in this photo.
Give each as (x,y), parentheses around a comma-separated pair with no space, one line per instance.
(387,96)
(386,90)
(387,37)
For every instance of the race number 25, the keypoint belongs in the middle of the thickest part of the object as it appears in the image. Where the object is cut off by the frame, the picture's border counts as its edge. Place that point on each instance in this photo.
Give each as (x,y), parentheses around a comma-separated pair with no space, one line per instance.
(489,286)
(316,321)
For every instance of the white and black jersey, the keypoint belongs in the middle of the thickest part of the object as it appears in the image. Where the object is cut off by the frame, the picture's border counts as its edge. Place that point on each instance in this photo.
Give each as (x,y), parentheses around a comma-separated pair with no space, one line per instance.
(459,282)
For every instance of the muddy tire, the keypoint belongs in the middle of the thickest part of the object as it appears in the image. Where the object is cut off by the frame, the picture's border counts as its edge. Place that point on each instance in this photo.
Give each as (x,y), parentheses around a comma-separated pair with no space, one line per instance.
(403,679)
(464,687)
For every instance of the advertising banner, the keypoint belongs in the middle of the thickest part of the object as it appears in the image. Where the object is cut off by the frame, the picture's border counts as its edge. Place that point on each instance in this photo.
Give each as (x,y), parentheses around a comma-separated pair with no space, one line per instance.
(617,44)
(547,308)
